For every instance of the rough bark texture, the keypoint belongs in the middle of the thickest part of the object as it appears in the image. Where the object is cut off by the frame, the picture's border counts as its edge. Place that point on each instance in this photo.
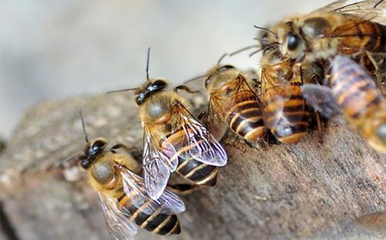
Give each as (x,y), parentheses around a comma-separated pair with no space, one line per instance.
(312,190)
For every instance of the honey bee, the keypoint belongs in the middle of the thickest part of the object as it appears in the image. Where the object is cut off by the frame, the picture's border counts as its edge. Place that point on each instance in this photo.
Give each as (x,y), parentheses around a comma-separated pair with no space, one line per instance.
(232,101)
(338,28)
(113,173)
(355,93)
(285,112)
(174,140)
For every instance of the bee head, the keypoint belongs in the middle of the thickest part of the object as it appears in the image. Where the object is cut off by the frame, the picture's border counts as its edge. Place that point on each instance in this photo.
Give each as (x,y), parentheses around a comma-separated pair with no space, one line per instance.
(292,44)
(91,151)
(149,89)
(215,76)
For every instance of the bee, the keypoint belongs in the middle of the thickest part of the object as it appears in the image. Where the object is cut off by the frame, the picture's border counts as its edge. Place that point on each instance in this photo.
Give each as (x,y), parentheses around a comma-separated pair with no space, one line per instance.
(335,29)
(174,140)
(113,173)
(285,112)
(232,101)
(352,91)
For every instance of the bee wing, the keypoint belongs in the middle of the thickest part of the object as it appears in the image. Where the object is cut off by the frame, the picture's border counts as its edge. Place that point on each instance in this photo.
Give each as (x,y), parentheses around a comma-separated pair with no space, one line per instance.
(274,100)
(117,221)
(134,186)
(156,164)
(321,98)
(198,142)
(367,9)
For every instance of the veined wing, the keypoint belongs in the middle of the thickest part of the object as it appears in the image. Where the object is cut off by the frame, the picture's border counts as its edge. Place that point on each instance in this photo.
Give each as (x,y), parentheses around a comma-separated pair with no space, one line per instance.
(368,9)
(134,186)
(198,142)
(157,165)
(117,221)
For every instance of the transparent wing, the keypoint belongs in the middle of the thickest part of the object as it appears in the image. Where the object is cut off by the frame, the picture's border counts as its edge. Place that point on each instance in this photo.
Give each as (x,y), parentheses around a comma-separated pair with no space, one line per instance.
(321,98)
(156,164)
(117,221)
(368,9)
(198,142)
(273,102)
(134,186)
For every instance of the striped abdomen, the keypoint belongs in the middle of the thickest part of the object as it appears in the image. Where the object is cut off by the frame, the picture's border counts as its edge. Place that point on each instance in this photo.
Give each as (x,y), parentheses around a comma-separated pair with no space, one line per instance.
(156,222)
(362,35)
(197,172)
(355,92)
(284,112)
(243,115)
(189,168)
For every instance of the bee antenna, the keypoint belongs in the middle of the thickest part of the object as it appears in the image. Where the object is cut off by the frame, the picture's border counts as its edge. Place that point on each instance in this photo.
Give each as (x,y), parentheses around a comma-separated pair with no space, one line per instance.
(84,127)
(195,78)
(222,57)
(262,49)
(243,49)
(122,90)
(267,30)
(147,64)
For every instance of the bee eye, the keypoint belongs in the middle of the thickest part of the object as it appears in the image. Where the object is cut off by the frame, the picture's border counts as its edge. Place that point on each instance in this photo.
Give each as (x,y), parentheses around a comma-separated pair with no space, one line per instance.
(97,146)
(225,67)
(139,98)
(85,163)
(293,42)
(207,82)
(157,85)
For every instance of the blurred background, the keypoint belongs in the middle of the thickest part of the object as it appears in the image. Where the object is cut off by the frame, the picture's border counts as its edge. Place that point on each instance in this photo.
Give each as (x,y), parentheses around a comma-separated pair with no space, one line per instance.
(57,49)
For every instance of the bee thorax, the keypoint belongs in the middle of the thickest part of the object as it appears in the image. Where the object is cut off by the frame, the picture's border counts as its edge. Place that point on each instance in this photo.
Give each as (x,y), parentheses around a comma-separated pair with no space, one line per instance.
(158,111)
(102,173)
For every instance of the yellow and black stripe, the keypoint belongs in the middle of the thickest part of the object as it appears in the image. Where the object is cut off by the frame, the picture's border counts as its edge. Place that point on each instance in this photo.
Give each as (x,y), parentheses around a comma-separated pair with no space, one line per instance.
(285,112)
(359,34)
(189,168)
(244,116)
(355,92)
(156,223)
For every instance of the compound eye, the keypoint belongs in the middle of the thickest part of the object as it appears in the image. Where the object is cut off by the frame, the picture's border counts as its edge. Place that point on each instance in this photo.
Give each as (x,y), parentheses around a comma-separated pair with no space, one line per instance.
(139,98)
(207,81)
(225,67)
(85,163)
(159,84)
(293,42)
(97,146)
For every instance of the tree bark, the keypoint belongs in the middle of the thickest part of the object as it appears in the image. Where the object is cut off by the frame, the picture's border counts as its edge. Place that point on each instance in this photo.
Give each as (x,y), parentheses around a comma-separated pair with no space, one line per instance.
(315,189)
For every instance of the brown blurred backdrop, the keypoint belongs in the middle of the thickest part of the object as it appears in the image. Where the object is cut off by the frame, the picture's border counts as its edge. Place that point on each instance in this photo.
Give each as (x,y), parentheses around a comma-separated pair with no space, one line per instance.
(56,49)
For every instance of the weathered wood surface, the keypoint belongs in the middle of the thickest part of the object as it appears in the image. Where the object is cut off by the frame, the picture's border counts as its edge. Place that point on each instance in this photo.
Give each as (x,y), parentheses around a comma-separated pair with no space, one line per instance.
(311,190)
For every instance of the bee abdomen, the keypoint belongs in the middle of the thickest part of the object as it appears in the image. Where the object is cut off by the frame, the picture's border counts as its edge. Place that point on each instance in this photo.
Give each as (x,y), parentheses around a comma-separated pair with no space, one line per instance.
(287,120)
(197,172)
(365,35)
(354,91)
(156,222)
(245,117)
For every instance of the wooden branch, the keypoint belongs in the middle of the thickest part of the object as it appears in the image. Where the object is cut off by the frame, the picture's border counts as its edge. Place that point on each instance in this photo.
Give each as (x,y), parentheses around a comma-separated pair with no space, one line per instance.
(314,189)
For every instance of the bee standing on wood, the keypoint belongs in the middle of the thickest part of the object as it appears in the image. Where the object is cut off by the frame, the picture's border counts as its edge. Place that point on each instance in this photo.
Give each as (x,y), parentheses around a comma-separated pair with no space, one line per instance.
(232,101)
(113,173)
(174,140)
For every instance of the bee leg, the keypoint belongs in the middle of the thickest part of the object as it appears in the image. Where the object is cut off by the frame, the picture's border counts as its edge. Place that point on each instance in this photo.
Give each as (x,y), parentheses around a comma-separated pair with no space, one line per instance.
(182,189)
(185,88)
(369,63)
